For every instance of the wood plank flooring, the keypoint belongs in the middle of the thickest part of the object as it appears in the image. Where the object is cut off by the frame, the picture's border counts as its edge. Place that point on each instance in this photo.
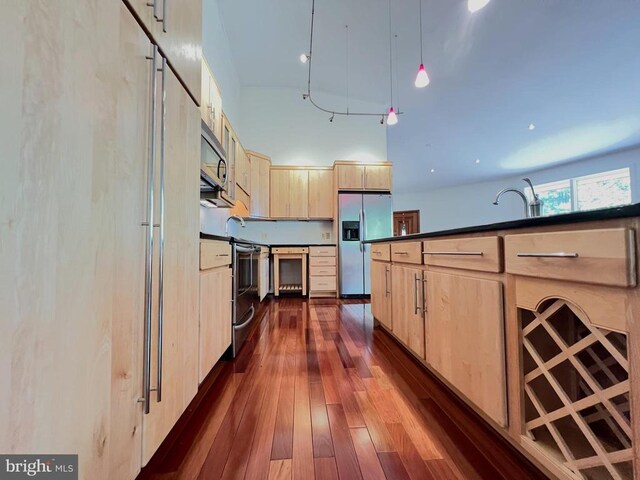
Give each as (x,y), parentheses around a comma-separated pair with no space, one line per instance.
(317,393)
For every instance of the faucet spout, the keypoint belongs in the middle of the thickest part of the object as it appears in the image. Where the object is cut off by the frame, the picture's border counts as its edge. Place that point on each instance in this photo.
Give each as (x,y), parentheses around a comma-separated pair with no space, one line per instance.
(233,217)
(519,193)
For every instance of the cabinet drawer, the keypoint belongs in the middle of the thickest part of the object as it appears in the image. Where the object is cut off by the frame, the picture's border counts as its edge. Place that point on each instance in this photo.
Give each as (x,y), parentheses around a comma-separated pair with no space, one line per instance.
(407,252)
(482,253)
(381,251)
(324,261)
(322,284)
(319,271)
(322,251)
(289,250)
(214,254)
(602,257)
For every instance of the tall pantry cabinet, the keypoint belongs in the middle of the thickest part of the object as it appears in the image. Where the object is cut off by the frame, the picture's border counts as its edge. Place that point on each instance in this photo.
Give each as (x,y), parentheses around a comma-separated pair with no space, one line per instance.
(80,287)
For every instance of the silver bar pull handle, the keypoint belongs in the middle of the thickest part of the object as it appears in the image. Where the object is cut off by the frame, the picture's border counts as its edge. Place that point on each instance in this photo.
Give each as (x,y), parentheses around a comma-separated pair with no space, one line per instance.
(549,255)
(386,282)
(154,4)
(416,281)
(457,254)
(164,16)
(361,229)
(162,223)
(148,296)
(402,253)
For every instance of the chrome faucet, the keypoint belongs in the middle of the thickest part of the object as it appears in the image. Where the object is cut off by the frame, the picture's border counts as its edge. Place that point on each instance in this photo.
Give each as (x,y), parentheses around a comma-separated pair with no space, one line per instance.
(532,208)
(233,217)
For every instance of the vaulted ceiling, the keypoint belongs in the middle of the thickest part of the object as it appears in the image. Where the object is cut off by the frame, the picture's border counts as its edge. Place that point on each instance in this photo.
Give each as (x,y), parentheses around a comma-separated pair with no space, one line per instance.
(571,67)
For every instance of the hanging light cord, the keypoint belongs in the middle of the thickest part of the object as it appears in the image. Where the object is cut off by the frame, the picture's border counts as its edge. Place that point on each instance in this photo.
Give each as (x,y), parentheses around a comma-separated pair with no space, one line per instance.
(347,60)
(421,61)
(390,58)
(307,96)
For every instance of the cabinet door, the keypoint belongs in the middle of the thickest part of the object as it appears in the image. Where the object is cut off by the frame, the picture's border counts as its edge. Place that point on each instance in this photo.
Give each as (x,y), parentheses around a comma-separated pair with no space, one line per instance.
(320,194)
(465,338)
(263,283)
(265,188)
(215,317)
(298,193)
(179,364)
(243,170)
(350,177)
(280,185)
(381,293)
(257,183)
(407,305)
(377,177)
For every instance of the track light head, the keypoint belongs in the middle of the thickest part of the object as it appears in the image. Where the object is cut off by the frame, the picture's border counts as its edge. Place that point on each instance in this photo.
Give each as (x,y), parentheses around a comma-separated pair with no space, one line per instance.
(382,120)
(305,96)
(332,116)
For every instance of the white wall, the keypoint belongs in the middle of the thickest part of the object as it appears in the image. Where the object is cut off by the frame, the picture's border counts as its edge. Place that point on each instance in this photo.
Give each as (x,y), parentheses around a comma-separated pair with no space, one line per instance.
(215,48)
(472,204)
(279,123)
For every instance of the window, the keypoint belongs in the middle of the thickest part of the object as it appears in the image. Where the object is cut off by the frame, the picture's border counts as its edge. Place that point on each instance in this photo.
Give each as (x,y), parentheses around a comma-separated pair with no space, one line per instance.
(602,190)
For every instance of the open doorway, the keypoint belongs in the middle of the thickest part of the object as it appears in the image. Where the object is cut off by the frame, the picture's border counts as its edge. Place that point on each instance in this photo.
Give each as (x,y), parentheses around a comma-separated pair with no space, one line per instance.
(406,222)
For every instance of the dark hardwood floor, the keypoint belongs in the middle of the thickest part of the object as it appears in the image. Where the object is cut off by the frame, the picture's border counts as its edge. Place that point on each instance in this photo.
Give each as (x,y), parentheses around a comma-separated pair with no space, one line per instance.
(318,393)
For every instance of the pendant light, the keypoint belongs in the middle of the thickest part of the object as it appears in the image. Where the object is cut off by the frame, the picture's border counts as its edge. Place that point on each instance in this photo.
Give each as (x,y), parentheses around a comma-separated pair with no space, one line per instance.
(422,79)
(475,5)
(392,117)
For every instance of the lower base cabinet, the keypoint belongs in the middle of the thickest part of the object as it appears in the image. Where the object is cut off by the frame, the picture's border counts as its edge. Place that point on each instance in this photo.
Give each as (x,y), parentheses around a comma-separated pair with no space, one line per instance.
(381,293)
(465,338)
(407,307)
(215,316)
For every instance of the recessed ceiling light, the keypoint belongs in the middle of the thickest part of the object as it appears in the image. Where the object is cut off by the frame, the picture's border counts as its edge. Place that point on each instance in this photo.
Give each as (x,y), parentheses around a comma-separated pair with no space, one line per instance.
(532,126)
(475,5)
(477,161)
(304,57)
(433,170)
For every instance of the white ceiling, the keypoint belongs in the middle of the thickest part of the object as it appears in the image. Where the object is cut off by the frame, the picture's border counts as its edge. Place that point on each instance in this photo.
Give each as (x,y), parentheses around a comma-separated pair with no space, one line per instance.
(572,67)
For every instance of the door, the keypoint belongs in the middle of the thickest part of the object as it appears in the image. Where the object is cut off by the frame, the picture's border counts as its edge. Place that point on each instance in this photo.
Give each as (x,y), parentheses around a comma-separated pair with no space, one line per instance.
(177,364)
(350,246)
(465,338)
(377,221)
(406,222)
(381,293)
(215,317)
(350,177)
(299,193)
(408,307)
(320,194)
(279,195)
(377,177)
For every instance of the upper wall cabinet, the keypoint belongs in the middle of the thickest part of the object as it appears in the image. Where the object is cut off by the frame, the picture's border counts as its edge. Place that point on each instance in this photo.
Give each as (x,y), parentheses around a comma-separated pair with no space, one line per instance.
(289,193)
(243,170)
(321,193)
(352,176)
(260,183)
(176,26)
(211,101)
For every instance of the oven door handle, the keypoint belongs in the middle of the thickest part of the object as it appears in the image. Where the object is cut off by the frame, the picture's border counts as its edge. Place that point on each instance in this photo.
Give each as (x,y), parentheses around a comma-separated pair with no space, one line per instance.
(246,322)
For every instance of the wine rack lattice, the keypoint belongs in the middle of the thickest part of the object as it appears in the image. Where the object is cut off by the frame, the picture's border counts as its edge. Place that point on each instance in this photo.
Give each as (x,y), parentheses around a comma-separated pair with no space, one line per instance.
(576,391)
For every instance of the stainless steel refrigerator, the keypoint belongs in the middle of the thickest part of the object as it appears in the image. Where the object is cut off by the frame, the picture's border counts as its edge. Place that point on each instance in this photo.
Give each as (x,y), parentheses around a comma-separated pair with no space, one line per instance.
(362,216)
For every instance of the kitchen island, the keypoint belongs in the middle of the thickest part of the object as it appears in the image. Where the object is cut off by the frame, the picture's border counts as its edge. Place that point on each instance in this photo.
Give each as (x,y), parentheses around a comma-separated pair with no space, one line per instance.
(531,323)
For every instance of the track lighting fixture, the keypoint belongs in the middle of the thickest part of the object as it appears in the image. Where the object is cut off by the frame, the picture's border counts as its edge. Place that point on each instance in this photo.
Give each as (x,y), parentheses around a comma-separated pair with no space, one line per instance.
(305,96)
(331,119)
(382,120)
(304,58)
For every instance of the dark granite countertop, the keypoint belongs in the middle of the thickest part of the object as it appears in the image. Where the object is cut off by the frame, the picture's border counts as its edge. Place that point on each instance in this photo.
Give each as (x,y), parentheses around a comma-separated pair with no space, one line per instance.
(230,239)
(577,217)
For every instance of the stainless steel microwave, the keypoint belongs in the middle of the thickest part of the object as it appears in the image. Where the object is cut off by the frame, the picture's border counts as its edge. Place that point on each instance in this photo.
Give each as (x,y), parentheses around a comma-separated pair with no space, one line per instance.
(213,159)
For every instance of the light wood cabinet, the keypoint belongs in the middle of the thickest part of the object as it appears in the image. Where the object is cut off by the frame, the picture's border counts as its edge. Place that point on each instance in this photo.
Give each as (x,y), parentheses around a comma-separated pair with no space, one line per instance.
(465,338)
(289,193)
(180,267)
(243,170)
(407,307)
(215,317)
(381,293)
(211,102)
(321,193)
(260,184)
(350,177)
(377,177)
(176,26)
(356,176)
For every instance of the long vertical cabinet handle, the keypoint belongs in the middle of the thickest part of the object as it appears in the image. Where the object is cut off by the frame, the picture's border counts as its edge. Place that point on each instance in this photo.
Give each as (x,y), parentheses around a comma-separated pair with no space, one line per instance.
(154,4)
(360,229)
(148,296)
(386,281)
(416,282)
(162,223)
(164,16)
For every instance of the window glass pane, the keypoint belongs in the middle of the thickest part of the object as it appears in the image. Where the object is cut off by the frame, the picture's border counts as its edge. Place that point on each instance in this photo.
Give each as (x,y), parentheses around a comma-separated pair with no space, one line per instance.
(556,197)
(609,189)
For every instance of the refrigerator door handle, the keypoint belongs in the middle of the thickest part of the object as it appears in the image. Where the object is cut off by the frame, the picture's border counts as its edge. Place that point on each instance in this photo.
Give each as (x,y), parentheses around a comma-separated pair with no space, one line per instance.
(361,229)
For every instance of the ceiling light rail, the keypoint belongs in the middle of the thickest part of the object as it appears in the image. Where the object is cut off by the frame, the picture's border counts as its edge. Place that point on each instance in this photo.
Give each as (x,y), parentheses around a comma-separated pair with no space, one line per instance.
(346,113)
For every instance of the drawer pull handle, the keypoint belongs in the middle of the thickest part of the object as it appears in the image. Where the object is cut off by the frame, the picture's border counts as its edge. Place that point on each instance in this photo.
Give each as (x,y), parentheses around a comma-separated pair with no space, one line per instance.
(457,254)
(402,253)
(549,255)
(222,255)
